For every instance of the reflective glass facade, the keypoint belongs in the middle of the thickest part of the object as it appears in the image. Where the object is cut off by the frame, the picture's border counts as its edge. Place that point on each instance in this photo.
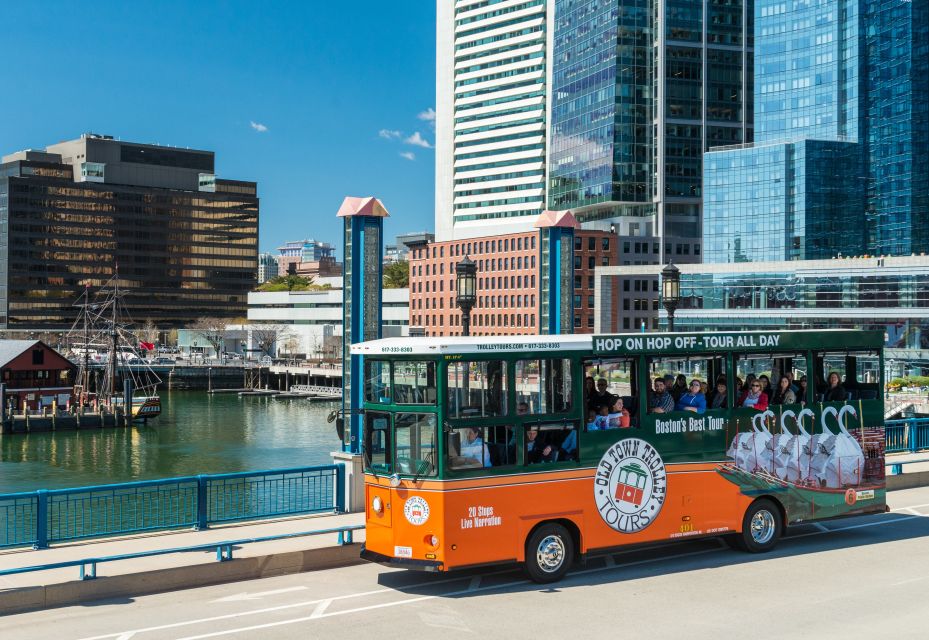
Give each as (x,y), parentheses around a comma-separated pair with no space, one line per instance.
(893,300)
(601,104)
(640,90)
(791,201)
(898,126)
(807,69)
(842,112)
(181,254)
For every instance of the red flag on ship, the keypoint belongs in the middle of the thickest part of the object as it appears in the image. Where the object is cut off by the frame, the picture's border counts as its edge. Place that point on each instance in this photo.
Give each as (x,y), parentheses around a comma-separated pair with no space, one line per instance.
(147,346)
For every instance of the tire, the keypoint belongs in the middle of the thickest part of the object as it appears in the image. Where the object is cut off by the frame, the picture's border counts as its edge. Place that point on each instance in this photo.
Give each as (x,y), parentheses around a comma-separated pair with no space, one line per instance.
(549,553)
(762,527)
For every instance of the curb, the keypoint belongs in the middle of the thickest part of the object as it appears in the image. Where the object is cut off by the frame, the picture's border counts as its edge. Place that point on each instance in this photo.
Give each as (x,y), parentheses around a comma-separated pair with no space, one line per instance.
(131,585)
(909,480)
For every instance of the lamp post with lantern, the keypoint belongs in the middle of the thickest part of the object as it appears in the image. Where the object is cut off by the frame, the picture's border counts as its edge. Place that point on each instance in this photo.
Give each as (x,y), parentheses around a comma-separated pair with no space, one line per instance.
(466,291)
(670,291)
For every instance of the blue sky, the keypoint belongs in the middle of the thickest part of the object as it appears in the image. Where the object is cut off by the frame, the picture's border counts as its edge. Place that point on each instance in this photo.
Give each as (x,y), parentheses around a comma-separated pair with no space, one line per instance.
(313,100)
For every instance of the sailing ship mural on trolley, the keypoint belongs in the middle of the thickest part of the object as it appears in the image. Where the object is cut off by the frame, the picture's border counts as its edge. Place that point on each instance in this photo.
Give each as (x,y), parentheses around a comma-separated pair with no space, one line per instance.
(812,472)
(111,370)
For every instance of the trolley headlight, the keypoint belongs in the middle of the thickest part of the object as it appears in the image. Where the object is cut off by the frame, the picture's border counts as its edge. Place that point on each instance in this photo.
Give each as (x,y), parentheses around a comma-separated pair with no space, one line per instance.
(395,480)
(377,505)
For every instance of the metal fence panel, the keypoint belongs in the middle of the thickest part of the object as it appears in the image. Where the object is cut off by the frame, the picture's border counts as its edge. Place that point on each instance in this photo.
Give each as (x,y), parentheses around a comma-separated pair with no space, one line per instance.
(18,519)
(272,494)
(120,509)
(41,518)
(895,437)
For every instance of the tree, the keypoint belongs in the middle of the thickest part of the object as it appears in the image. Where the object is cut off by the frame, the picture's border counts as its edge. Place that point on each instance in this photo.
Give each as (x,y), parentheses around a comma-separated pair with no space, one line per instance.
(397,275)
(149,331)
(264,337)
(213,330)
(288,283)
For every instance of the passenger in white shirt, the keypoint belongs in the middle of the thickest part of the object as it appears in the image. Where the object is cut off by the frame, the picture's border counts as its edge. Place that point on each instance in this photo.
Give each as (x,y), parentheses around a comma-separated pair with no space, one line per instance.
(474,446)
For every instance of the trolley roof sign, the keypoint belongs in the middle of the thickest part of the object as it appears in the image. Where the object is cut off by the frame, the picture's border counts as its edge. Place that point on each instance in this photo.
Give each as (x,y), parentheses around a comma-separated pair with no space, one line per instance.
(735,341)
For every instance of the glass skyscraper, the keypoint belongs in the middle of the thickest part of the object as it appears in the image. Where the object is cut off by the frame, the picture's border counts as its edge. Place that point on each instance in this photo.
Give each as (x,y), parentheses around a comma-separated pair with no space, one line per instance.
(897,45)
(639,90)
(839,163)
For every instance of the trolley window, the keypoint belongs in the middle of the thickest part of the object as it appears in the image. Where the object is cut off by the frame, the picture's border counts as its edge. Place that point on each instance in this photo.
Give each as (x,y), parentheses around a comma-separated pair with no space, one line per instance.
(416,443)
(543,386)
(377,381)
(477,389)
(377,441)
(414,382)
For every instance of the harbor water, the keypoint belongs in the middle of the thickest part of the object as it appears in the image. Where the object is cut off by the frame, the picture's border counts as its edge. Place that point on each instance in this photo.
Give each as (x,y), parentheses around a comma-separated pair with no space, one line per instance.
(195,433)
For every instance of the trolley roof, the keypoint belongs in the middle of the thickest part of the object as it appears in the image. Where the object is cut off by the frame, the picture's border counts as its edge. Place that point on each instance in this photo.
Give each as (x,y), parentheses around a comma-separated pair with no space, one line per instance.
(626,342)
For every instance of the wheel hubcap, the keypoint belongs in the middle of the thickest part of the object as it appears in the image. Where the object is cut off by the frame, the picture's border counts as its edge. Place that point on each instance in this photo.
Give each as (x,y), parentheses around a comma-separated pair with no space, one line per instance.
(763,527)
(550,554)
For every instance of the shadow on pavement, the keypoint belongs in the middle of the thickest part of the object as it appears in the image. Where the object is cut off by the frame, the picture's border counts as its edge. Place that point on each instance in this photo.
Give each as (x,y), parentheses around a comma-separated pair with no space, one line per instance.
(668,558)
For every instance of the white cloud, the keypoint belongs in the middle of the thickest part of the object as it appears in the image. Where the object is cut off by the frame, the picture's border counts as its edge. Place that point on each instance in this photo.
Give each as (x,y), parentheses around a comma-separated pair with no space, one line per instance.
(409,155)
(428,116)
(389,134)
(257,126)
(418,141)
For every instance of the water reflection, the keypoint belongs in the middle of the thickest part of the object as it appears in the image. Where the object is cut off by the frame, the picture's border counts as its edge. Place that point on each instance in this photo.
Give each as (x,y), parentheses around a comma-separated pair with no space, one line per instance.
(196,433)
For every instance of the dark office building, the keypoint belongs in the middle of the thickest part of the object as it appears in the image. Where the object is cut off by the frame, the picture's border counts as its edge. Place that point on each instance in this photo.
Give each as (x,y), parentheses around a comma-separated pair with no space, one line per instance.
(185,242)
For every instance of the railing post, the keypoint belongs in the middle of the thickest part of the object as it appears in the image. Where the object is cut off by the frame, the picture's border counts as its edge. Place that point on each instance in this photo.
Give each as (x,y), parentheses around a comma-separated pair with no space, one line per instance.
(41,520)
(913,439)
(202,502)
(340,488)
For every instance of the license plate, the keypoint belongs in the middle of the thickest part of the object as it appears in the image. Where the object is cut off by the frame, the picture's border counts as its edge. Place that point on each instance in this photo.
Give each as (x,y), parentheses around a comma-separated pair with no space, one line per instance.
(403,552)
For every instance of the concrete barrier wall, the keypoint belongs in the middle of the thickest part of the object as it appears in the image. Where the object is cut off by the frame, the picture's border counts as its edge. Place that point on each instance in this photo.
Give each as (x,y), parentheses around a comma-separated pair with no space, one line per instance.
(132,585)
(908,480)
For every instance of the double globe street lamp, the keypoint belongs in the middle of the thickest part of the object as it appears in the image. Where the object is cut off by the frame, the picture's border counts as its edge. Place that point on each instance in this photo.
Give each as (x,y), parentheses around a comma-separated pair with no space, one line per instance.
(670,291)
(466,291)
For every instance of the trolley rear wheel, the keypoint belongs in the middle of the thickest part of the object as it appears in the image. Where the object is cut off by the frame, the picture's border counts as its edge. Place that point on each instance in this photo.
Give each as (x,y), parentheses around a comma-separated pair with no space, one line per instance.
(762,527)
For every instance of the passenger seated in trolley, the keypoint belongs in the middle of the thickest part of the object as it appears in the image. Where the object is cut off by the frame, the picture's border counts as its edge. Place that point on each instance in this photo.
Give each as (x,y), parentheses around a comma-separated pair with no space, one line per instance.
(538,448)
(474,447)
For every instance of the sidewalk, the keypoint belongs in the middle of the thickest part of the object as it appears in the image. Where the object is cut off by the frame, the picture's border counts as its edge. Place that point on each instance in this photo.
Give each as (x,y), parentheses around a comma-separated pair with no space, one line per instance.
(127,578)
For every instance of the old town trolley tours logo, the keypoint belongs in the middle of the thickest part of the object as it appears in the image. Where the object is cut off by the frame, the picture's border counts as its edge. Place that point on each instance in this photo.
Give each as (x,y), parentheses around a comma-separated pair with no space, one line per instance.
(630,485)
(416,511)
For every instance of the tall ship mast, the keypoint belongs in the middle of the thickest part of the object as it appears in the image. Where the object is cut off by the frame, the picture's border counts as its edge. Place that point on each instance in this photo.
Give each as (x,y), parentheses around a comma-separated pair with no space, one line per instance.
(110,366)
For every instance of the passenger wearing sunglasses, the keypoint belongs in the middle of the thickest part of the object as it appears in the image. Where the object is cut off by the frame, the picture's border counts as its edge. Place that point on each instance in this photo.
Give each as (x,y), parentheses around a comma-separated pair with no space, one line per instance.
(753,397)
(693,400)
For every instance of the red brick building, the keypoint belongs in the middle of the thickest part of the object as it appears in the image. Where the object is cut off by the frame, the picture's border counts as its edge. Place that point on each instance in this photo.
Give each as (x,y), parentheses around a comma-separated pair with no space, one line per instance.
(508,276)
(35,375)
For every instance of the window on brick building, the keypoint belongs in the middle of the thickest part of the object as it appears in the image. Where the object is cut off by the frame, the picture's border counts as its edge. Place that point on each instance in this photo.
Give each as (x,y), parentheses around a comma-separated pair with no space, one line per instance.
(605,244)
(578,244)
(577,262)
(591,244)
(590,262)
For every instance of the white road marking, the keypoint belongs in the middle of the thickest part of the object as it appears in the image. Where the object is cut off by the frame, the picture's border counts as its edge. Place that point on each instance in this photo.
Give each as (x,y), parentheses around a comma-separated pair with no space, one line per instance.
(245,595)
(395,603)
(119,635)
(126,636)
(321,608)
(910,581)
(820,526)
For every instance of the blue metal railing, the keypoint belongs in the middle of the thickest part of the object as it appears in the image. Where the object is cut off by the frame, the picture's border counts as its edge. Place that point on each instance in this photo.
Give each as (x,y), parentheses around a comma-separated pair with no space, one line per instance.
(41,518)
(223,549)
(907,435)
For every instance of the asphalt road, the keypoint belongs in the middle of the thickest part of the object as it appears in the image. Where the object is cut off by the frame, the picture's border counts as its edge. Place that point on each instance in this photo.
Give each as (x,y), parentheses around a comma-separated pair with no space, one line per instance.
(855,578)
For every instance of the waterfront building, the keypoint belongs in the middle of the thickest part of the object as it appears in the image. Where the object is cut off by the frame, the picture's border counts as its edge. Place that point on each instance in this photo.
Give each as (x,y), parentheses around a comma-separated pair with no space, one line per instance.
(889,294)
(267,267)
(491,75)
(34,375)
(639,90)
(185,241)
(509,283)
(307,321)
(841,128)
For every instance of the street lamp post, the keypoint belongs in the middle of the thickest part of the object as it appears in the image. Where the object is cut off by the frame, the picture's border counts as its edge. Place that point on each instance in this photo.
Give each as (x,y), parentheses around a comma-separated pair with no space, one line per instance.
(670,291)
(465,291)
